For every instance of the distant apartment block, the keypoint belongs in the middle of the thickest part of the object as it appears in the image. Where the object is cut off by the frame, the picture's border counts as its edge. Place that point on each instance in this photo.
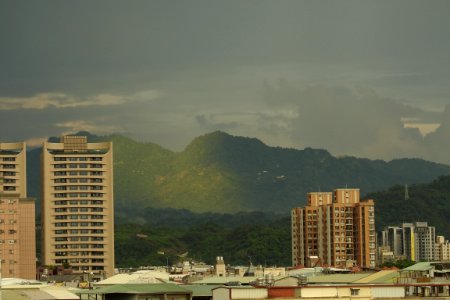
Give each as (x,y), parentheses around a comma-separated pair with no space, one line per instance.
(442,249)
(412,241)
(77,206)
(17,215)
(334,229)
(425,240)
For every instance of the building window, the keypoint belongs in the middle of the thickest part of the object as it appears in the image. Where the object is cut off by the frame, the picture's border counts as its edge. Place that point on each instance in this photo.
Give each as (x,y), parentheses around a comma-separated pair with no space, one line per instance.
(354,292)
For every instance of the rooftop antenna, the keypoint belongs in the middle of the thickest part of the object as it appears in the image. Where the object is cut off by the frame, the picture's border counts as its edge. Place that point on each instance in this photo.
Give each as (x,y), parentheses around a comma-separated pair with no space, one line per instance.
(406,192)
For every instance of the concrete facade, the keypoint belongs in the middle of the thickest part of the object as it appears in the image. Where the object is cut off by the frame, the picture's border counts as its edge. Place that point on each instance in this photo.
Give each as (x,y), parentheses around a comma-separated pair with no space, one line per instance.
(17,237)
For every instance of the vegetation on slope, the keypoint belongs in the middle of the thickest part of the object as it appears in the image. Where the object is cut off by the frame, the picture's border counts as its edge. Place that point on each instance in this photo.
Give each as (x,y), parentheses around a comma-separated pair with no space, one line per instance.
(221,173)
(239,240)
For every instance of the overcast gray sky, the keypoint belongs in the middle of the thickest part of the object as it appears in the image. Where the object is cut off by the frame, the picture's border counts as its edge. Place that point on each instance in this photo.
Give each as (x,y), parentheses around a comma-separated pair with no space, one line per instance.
(363,78)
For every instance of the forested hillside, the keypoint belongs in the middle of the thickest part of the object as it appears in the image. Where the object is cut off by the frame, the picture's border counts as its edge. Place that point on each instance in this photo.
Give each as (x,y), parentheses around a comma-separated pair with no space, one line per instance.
(221,173)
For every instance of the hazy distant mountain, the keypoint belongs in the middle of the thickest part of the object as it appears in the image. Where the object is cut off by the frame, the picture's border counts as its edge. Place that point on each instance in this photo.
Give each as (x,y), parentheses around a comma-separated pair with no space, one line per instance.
(218,172)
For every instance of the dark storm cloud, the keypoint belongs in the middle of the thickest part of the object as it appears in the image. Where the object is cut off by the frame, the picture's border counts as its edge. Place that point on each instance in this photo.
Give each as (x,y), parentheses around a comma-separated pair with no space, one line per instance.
(68,65)
(65,45)
(345,120)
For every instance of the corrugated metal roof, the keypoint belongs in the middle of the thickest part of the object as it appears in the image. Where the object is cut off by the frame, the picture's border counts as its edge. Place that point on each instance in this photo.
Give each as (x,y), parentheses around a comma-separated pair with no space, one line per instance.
(421,266)
(200,290)
(337,278)
(59,293)
(138,289)
(149,276)
(379,277)
(224,279)
(16,295)
(388,278)
(18,281)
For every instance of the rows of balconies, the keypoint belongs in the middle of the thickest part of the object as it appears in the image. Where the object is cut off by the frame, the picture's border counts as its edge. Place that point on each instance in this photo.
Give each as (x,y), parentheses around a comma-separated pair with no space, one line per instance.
(74,241)
(9,174)
(9,180)
(78,195)
(78,203)
(80,246)
(9,158)
(81,158)
(77,180)
(8,166)
(78,187)
(75,210)
(75,261)
(77,173)
(81,253)
(72,209)
(81,217)
(9,188)
(78,166)
(79,224)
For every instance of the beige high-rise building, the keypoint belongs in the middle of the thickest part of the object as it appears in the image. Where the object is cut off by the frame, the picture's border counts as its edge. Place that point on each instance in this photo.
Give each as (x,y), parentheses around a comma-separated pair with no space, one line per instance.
(17,215)
(77,206)
(334,229)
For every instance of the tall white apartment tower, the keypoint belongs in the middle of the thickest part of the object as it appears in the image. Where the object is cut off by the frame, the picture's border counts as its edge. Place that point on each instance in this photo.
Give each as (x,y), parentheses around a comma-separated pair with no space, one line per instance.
(77,205)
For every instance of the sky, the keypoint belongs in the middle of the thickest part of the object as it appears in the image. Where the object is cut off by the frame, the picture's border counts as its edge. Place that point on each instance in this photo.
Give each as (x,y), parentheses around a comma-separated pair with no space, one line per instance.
(359,78)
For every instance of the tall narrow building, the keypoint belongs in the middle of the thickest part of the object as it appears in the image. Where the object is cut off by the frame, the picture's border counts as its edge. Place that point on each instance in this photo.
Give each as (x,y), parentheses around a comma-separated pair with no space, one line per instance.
(17,215)
(77,206)
(335,229)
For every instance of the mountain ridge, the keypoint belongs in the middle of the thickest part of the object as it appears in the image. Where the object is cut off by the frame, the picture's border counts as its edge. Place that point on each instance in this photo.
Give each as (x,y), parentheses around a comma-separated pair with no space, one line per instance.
(218,172)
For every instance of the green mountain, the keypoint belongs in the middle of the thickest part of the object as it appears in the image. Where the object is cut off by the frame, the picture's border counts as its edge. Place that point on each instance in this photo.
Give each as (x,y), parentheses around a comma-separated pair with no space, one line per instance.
(221,173)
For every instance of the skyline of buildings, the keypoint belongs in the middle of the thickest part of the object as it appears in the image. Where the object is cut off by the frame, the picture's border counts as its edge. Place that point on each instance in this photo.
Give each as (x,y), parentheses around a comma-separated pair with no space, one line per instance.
(414,241)
(334,228)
